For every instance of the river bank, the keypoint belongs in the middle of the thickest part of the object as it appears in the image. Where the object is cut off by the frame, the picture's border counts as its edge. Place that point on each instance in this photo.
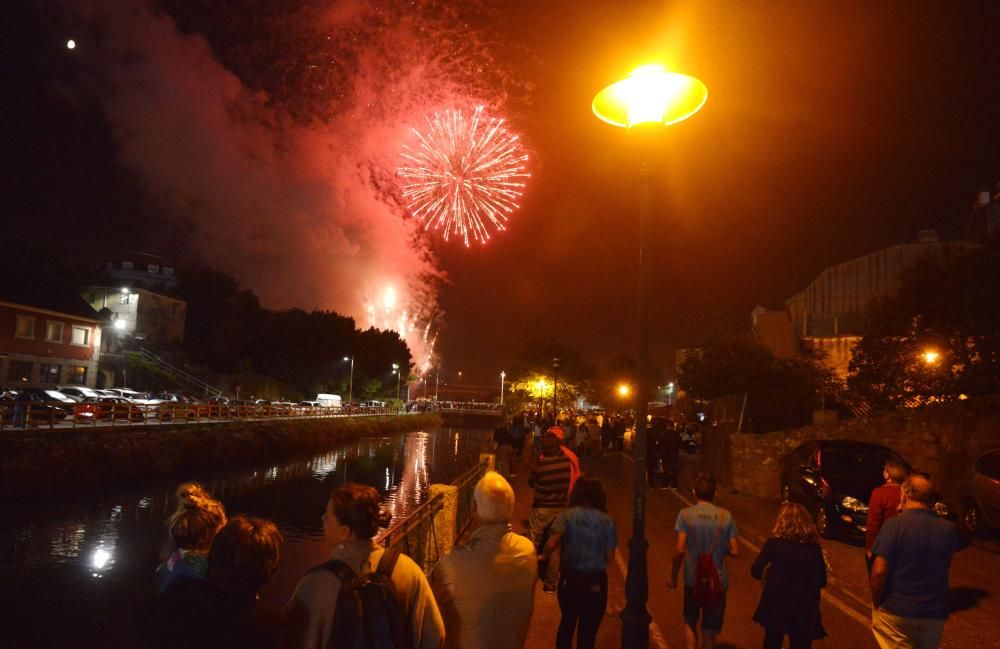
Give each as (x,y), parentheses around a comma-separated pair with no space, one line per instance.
(43,462)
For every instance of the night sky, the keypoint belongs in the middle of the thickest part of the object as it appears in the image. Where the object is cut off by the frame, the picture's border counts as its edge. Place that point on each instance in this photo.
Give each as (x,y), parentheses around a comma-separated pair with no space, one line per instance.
(832,129)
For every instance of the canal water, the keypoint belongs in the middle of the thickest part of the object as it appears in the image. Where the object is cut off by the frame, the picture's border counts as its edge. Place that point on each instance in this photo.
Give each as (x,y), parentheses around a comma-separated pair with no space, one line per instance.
(74,568)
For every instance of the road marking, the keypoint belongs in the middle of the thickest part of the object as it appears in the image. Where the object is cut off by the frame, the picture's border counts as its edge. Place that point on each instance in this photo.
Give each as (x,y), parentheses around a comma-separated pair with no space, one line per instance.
(838,603)
(655,632)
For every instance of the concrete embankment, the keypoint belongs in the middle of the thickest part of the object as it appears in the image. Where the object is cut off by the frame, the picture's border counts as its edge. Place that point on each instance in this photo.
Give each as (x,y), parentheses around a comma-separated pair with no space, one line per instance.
(36,462)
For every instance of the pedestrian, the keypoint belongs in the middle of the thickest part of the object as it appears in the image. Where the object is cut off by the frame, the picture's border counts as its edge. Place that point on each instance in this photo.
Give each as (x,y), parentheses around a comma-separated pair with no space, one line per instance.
(351,520)
(486,588)
(618,433)
(586,537)
(909,578)
(883,504)
(22,403)
(606,434)
(504,452)
(550,478)
(670,449)
(518,429)
(190,532)
(706,535)
(793,571)
(223,609)
(582,439)
(654,442)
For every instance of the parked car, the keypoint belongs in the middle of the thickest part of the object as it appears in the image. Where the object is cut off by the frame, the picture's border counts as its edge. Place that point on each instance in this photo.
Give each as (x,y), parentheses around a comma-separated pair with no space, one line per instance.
(982,507)
(78,392)
(41,410)
(110,408)
(834,479)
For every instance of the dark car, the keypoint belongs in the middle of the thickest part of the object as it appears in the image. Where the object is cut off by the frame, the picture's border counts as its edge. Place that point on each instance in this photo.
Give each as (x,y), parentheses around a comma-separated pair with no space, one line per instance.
(833,479)
(982,508)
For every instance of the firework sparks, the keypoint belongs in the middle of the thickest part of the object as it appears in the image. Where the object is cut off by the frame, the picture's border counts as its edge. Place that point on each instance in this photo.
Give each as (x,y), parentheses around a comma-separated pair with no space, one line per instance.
(465,175)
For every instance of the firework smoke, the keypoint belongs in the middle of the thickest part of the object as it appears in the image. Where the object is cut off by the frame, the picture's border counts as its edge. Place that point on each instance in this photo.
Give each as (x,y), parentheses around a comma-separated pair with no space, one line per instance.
(291,190)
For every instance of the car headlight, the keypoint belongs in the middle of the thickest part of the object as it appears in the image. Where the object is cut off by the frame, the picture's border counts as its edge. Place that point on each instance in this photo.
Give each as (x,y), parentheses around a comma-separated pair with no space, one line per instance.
(941,509)
(853,504)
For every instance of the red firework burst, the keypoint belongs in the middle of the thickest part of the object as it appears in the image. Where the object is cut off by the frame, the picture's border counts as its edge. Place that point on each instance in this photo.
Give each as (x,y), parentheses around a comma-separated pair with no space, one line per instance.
(464,176)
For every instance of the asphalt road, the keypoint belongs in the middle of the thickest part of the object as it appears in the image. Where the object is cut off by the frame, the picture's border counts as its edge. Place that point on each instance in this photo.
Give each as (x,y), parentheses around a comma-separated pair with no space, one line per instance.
(975,574)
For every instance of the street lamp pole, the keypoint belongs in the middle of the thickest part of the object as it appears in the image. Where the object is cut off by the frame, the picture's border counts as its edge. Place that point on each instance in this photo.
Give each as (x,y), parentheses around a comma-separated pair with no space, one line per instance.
(645,102)
(399,376)
(502,376)
(555,390)
(350,381)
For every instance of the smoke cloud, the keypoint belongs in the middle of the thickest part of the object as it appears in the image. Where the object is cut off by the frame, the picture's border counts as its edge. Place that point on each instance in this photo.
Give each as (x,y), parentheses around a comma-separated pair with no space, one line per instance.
(300,205)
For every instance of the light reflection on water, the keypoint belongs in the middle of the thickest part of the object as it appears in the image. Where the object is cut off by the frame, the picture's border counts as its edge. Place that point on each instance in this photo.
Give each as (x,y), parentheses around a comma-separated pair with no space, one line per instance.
(91,556)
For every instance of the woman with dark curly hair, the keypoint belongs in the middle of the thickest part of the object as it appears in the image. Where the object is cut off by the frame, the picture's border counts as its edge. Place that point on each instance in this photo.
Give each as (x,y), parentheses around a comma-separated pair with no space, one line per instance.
(793,570)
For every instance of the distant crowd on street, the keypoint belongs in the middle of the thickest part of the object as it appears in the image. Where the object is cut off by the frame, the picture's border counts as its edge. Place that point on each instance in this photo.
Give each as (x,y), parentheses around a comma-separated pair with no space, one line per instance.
(481,595)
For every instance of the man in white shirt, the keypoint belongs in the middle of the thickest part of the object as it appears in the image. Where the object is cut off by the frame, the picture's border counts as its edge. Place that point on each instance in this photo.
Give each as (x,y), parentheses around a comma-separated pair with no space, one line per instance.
(486,588)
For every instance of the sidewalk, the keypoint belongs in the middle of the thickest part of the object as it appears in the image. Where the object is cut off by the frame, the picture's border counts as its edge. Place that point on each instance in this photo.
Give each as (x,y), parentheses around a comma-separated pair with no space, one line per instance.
(545,620)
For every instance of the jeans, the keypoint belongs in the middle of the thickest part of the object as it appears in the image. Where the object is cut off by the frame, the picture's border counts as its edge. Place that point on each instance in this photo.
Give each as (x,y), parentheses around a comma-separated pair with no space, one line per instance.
(895,632)
(772,640)
(583,598)
(538,521)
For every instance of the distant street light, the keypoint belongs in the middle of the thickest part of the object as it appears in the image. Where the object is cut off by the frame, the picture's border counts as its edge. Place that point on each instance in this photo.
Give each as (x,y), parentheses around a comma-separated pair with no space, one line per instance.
(555,389)
(350,381)
(645,102)
(503,375)
(622,393)
(399,375)
(931,356)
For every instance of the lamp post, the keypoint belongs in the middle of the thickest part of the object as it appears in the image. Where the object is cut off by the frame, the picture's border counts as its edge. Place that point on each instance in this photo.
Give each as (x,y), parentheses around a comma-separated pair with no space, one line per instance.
(502,376)
(644,103)
(350,381)
(399,375)
(622,393)
(555,389)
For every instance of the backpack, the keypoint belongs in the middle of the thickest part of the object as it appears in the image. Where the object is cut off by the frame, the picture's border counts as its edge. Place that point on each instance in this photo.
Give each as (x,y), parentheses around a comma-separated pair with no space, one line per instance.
(707,585)
(369,614)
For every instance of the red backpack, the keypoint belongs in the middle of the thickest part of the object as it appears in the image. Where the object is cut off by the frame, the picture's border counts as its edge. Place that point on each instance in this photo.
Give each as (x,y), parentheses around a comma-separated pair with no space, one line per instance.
(707,585)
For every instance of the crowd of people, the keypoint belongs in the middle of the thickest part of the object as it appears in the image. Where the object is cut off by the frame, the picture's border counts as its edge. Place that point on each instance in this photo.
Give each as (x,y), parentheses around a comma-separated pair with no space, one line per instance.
(481,595)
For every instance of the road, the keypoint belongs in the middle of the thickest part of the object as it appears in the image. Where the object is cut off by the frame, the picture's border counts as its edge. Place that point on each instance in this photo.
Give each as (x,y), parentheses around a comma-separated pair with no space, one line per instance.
(975,573)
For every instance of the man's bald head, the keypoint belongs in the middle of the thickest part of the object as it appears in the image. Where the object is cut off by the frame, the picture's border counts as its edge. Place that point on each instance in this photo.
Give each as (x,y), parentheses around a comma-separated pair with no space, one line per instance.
(494,499)
(919,488)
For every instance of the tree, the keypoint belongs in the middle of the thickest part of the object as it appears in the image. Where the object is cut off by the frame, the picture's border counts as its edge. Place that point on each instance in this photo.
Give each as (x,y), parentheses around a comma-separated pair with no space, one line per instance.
(938,337)
(780,393)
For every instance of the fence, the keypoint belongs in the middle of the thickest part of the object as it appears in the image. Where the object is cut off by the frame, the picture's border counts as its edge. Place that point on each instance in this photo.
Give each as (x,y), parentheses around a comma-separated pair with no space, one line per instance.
(53,414)
(431,530)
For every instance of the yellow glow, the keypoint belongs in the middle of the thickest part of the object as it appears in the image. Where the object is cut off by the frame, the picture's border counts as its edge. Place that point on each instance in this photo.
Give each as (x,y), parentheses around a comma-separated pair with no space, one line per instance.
(650,95)
(931,357)
(623,390)
(390,298)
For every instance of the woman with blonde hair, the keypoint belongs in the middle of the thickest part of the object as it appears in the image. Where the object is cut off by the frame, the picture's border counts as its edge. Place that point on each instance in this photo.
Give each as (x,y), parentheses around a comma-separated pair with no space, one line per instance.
(190,532)
(793,570)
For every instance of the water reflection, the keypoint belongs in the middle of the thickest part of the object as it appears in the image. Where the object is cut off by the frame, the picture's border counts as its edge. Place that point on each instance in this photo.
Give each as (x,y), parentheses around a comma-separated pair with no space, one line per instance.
(97,550)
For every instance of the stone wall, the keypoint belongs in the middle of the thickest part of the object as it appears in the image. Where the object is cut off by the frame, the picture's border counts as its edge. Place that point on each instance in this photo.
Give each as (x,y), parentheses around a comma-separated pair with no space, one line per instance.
(52,460)
(943,441)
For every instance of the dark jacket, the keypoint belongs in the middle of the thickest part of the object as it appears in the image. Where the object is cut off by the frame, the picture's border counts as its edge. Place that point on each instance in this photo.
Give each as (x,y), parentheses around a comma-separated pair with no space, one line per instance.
(790,601)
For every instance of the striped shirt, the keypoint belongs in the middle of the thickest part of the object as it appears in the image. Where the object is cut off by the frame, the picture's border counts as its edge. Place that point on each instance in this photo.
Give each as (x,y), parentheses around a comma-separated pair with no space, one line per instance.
(550,478)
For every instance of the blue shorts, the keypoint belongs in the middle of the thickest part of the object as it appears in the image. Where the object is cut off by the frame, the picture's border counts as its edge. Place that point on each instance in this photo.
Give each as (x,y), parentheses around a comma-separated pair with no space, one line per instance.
(711,618)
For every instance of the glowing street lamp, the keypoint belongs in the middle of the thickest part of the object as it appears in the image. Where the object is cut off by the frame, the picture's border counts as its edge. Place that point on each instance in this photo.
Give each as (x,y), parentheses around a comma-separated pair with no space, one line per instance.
(399,375)
(644,103)
(622,393)
(503,375)
(350,381)
(931,356)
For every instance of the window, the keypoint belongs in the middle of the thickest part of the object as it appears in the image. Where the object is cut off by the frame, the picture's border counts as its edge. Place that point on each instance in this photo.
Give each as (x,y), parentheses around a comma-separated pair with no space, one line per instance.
(153,268)
(78,374)
(126,265)
(24,327)
(81,336)
(48,373)
(53,332)
(19,371)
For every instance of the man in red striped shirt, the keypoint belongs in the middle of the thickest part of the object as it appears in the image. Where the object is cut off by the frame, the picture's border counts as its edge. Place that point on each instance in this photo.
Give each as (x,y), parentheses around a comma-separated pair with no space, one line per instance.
(551,478)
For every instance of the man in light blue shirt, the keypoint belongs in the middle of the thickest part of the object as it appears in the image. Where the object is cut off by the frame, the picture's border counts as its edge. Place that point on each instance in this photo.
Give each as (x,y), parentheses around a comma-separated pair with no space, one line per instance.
(703,528)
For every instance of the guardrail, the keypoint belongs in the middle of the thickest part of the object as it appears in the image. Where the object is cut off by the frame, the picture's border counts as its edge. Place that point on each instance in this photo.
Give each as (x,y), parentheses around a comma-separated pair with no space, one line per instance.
(59,415)
(433,528)
(415,535)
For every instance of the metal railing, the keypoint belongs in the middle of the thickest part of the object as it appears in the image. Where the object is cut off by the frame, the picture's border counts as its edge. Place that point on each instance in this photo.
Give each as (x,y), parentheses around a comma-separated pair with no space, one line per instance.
(60,415)
(415,535)
(466,484)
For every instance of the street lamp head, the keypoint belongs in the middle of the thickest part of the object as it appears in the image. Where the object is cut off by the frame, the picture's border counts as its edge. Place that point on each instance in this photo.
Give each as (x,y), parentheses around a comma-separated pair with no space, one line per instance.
(120,324)
(931,357)
(346,358)
(650,95)
(623,390)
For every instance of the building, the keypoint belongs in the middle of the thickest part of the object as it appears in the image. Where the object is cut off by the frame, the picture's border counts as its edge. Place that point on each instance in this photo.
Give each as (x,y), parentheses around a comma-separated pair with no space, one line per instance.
(775,330)
(142,269)
(48,337)
(828,315)
(140,314)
